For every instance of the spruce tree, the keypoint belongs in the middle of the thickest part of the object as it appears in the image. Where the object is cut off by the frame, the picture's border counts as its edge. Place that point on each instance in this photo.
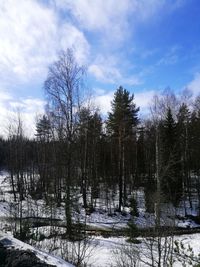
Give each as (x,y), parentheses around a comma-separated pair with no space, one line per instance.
(43,129)
(171,167)
(121,123)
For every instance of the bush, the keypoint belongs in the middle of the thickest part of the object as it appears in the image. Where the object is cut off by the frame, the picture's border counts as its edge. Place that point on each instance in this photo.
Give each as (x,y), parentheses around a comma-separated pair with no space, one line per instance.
(133,206)
(132,231)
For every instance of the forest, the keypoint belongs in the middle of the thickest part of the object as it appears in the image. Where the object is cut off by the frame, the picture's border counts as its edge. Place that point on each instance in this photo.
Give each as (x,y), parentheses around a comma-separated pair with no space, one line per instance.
(124,165)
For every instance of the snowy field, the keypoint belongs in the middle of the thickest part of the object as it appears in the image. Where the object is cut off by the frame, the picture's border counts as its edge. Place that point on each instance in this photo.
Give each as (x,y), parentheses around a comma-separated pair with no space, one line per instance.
(101,250)
(102,254)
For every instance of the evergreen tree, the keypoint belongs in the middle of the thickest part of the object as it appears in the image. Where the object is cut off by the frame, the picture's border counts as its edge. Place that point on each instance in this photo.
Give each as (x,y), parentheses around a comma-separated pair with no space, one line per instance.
(121,124)
(83,142)
(43,129)
(194,134)
(95,137)
(43,136)
(171,167)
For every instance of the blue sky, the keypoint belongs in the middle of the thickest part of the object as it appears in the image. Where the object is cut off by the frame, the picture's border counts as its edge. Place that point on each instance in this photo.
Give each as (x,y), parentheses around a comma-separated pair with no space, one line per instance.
(143,45)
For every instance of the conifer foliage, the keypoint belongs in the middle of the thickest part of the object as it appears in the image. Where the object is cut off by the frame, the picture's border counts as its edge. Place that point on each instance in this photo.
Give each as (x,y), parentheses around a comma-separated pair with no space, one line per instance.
(171,163)
(121,125)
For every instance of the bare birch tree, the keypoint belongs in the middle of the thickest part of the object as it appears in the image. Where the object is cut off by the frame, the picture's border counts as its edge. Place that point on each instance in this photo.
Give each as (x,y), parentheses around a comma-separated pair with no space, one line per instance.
(62,86)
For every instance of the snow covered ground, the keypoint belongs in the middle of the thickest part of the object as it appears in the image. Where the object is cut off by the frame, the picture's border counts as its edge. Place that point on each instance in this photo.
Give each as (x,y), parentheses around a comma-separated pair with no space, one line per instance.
(42,255)
(101,248)
(104,251)
(30,209)
(100,218)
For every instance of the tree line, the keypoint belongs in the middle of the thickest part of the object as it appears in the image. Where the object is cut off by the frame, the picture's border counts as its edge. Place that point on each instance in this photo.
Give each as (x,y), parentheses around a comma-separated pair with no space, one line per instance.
(76,150)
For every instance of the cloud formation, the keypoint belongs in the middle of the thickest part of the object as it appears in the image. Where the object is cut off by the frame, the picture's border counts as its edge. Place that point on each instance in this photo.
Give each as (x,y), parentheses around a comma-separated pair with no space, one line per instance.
(113,25)
(111,19)
(194,85)
(105,69)
(32,32)
(27,108)
(103,100)
(31,35)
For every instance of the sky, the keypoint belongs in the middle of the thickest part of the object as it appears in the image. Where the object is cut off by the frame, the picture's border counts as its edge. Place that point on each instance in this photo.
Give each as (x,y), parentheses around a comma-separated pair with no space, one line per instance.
(143,45)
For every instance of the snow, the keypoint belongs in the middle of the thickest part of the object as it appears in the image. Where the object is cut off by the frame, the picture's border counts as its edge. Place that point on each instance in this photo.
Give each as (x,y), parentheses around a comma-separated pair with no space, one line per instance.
(43,256)
(103,255)
(193,240)
(30,207)
(102,248)
(101,218)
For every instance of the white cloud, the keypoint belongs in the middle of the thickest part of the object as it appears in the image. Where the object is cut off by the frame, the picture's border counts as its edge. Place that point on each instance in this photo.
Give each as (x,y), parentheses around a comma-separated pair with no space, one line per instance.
(105,73)
(194,85)
(112,25)
(105,69)
(143,100)
(31,35)
(103,16)
(170,58)
(115,20)
(28,108)
(102,100)
(71,37)
(112,75)
(4,96)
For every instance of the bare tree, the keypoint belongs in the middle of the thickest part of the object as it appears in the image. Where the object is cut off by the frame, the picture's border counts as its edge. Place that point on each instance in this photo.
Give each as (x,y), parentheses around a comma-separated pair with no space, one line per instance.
(156,116)
(16,165)
(62,86)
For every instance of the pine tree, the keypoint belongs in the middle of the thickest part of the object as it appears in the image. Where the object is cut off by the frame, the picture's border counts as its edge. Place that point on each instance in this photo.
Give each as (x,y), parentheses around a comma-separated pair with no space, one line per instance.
(43,129)
(171,167)
(121,123)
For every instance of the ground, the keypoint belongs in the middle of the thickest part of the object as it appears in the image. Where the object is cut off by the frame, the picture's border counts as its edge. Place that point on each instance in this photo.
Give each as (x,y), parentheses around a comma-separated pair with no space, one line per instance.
(100,250)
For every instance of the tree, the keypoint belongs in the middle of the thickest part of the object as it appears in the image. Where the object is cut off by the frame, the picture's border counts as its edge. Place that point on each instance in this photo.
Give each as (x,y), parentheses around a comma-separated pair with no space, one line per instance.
(89,134)
(121,124)
(141,157)
(43,136)
(62,86)
(166,152)
(17,162)
(171,167)
(156,118)
(194,146)
(43,129)
(183,128)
